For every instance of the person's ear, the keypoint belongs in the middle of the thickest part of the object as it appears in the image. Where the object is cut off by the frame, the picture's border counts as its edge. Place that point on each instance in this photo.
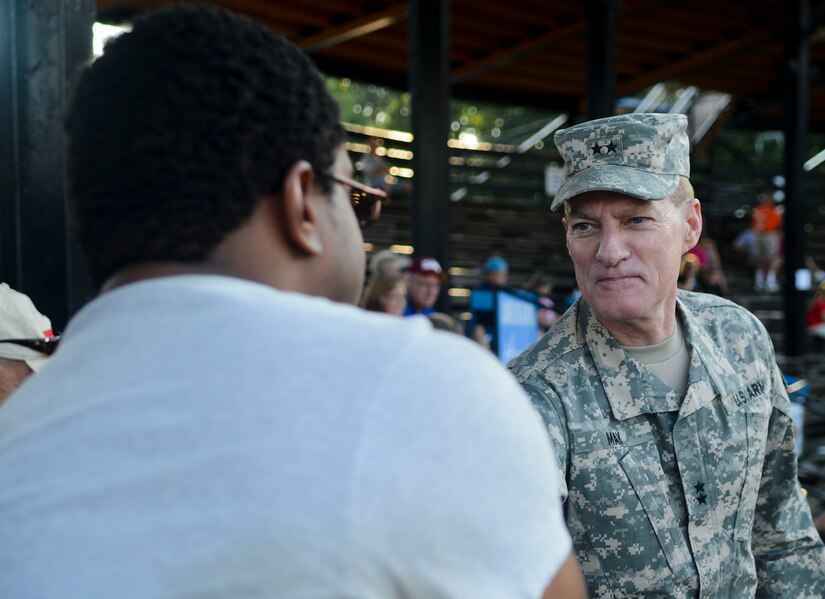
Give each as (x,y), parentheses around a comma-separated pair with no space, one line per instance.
(564,225)
(299,209)
(693,217)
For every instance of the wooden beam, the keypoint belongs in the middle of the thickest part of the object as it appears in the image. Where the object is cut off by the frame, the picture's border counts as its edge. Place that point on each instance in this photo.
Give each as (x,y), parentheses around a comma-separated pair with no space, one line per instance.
(529,84)
(356,28)
(678,68)
(284,17)
(502,58)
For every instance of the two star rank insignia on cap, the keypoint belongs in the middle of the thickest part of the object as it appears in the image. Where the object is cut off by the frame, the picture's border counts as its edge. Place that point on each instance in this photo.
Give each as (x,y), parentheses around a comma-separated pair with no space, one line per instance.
(604,149)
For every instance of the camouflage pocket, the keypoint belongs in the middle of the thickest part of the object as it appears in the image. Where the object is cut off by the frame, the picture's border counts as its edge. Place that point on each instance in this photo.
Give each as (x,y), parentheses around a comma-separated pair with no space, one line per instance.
(648,480)
(620,496)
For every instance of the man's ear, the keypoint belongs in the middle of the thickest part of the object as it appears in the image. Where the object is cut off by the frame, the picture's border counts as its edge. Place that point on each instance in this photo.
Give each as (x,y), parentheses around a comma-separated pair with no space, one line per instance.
(298,209)
(564,225)
(693,216)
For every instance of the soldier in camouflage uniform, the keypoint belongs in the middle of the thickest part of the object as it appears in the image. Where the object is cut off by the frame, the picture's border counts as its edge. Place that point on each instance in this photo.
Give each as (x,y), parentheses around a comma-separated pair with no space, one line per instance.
(666,409)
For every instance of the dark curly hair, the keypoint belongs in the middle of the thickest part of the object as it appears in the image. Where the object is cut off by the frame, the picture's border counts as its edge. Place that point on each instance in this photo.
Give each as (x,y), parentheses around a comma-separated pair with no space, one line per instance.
(180,128)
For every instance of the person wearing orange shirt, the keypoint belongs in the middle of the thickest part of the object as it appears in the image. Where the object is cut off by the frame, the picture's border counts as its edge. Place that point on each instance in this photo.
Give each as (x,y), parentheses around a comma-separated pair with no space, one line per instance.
(766,223)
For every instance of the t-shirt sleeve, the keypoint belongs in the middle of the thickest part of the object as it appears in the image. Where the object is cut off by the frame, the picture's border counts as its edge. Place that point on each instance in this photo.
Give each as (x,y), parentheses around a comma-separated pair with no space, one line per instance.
(457,484)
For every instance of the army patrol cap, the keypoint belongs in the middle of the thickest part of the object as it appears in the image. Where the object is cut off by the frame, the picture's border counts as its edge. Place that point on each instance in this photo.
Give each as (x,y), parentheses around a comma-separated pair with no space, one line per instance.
(639,155)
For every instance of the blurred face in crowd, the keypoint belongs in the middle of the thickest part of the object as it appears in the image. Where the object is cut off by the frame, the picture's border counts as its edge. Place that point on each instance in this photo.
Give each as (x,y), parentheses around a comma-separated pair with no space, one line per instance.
(496,277)
(423,290)
(626,253)
(545,289)
(395,300)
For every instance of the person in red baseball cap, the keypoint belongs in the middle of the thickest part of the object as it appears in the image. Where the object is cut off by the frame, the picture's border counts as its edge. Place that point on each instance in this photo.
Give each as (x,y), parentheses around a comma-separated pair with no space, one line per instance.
(424,279)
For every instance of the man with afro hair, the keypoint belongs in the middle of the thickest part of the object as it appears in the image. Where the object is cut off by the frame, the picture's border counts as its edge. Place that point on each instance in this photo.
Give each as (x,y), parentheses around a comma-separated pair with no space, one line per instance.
(214,423)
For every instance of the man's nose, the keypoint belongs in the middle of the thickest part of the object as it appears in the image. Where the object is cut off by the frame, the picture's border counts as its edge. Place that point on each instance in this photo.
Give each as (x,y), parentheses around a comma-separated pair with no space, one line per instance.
(612,247)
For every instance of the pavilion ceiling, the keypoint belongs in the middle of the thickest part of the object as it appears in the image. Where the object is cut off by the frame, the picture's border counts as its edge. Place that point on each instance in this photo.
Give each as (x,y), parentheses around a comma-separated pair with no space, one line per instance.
(535,51)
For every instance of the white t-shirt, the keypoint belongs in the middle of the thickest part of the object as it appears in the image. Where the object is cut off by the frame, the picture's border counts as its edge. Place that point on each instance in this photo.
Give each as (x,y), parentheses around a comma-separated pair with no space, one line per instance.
(202,436)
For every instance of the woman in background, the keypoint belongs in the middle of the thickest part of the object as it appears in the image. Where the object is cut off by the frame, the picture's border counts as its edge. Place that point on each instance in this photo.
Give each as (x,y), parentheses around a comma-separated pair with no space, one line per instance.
(387,293)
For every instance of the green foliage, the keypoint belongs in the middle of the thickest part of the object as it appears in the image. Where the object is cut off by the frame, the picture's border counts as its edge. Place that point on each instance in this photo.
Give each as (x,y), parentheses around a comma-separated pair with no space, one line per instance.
(496,123)
(736,149)
(371,105)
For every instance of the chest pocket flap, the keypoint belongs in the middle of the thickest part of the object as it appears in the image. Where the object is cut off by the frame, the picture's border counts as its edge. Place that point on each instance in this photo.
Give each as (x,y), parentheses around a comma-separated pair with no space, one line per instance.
(645,474)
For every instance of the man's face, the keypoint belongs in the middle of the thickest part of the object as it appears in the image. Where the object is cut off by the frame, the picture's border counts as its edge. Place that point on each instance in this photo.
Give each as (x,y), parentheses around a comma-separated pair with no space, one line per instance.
(423,290)
(496,277)
(626,253)
(344,248)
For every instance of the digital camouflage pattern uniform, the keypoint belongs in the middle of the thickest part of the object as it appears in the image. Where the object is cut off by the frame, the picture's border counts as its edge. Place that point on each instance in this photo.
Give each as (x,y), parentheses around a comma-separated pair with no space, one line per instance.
(642,155)
(672,496)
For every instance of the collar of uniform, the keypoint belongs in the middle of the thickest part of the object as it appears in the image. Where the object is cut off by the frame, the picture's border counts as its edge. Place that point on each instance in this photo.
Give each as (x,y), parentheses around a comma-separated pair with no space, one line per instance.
(624,381)
(711,372)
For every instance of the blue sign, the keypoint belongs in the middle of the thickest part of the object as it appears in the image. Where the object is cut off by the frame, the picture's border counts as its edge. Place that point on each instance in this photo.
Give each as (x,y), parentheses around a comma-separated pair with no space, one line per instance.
(517,325)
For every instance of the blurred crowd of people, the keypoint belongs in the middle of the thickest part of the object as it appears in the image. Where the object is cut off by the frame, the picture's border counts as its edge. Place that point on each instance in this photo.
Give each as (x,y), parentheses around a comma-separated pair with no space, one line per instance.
(400,286)
(701,269)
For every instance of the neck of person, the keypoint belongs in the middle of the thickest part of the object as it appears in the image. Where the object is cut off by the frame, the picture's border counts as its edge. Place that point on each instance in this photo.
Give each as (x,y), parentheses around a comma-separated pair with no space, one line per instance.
(255,251)
(143,271)
(284,279)
(643,332)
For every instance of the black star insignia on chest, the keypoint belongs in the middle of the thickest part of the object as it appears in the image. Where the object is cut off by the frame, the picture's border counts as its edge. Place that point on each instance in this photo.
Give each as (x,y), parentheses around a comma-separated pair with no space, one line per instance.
(702,498)
(596,148)
(700,487)
(611,147)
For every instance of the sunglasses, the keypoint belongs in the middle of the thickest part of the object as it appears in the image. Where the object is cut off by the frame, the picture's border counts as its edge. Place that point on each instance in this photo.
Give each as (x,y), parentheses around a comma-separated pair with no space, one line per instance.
(44,345)
(366,201)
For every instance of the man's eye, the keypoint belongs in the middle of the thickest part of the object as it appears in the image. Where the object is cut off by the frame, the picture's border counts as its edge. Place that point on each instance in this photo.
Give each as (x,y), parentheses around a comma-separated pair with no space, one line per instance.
(581,227)
(638,220)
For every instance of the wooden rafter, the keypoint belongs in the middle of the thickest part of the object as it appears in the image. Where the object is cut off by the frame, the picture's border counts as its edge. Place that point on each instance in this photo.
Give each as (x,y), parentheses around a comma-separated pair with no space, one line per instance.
(356,28)
(676,69)
(533,45)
